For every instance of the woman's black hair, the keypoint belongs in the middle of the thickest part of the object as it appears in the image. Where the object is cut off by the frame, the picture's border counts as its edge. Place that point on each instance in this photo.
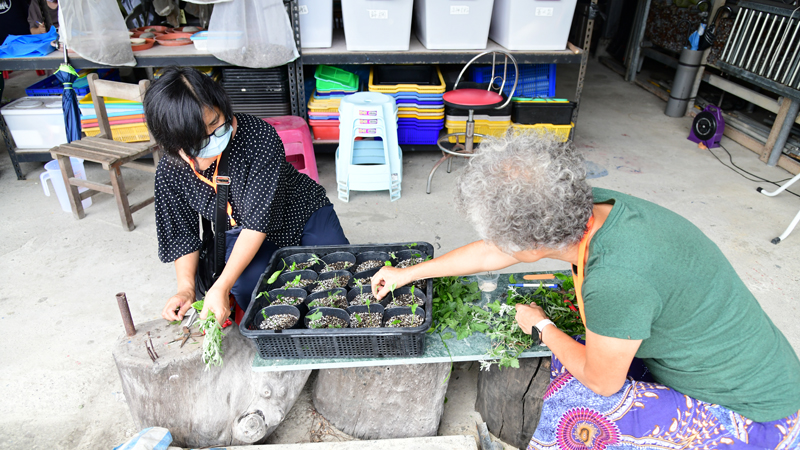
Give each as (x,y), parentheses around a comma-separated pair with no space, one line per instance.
(174,106)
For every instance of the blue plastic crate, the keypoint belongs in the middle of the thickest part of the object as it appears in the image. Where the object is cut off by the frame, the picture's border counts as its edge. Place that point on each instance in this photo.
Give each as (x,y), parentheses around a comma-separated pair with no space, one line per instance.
(51,85)
(536,80)
(407,135)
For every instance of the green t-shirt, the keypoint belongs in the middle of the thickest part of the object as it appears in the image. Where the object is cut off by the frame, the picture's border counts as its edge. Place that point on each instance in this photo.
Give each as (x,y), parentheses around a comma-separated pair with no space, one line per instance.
(653,275)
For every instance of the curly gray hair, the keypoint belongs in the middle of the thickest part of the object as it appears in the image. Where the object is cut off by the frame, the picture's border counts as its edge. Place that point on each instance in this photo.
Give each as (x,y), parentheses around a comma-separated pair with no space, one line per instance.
(526,191)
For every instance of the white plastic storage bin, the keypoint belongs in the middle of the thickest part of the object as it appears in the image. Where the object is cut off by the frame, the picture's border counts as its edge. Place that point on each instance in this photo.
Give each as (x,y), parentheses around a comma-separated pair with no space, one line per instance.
(453,24)
(532,24)
(377,25)
(36,122)
(316,23)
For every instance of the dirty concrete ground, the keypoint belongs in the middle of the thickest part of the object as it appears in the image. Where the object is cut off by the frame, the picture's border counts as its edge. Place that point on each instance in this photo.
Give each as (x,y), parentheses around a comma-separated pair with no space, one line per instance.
(59,318)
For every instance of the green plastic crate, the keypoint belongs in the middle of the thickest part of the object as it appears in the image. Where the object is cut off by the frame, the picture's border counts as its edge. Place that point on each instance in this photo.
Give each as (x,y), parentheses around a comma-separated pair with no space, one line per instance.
(331,78)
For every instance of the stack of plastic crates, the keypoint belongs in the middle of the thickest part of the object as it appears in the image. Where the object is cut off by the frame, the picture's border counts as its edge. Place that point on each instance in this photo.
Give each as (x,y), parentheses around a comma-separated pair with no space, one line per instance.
(125,117)
(418,90)
(535,80)
(332,84)
(543,115)
(490,122)
(259,92)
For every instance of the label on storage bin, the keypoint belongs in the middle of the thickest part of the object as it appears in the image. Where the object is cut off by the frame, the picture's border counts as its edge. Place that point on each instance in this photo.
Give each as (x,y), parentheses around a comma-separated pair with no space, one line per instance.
(459,10)
(360,121)
(378,13)
(302,9)
(366,130)
(362,112)
(544,12)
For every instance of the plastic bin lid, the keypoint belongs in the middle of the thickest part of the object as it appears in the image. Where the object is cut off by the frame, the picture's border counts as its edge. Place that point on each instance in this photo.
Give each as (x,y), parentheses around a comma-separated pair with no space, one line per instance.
(34,106)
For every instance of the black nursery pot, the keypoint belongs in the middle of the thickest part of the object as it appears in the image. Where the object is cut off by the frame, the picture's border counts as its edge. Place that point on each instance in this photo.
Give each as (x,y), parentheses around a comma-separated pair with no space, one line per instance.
(367,256)
(355,291)
(401,291)
(322,294)
(336,273)
(291,292)
(403,255)
(340,313)
(298,258)
(336,257)
(274,311)
(289,276)
(363,309)
(390,314)
(365,274)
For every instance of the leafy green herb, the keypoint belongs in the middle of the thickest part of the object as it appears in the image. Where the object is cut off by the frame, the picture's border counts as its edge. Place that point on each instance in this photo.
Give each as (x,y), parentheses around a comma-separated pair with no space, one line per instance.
(175,322)
(212,344)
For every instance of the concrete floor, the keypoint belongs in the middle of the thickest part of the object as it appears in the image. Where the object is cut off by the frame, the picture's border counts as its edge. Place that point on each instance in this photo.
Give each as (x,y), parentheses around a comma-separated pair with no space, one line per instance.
(59,315)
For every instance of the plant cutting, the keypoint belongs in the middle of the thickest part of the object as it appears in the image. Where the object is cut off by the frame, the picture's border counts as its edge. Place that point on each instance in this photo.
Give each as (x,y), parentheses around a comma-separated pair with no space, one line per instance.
(337,281)
(365,320)
(334,299)
(212,343)
(319,320)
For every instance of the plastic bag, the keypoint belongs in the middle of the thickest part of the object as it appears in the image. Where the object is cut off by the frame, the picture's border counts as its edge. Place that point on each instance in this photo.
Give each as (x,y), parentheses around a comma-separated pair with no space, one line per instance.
(95,29)
(251,33)
(206,2)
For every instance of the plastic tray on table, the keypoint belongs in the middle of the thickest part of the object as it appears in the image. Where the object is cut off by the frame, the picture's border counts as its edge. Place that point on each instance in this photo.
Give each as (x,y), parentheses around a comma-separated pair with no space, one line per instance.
(336,343)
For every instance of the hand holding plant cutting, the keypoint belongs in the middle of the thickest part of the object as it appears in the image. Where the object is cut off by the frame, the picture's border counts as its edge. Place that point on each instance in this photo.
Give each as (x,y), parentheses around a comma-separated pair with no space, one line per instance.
(212,343)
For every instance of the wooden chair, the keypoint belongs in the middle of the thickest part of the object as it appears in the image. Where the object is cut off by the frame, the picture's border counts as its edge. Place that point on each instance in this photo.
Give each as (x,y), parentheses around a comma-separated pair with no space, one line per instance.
(111,154)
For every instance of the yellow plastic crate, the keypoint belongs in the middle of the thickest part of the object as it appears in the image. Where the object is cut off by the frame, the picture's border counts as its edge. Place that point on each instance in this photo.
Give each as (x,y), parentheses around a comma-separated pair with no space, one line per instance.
(559,131)
(129,132)
(409,115)
(419,89)
(87,100)
(498,130)
(328,105)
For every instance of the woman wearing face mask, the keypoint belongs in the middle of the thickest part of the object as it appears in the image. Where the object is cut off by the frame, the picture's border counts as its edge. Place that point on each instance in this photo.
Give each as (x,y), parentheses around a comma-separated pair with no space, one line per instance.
(270,204)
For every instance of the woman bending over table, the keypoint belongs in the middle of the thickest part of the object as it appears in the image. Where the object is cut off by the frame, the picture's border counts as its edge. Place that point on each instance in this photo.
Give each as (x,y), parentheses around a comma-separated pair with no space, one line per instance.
(649,285)
(270,204)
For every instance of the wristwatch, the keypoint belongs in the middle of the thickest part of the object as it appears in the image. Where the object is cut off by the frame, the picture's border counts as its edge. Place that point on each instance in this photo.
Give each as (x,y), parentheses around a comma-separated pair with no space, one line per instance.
(536,331)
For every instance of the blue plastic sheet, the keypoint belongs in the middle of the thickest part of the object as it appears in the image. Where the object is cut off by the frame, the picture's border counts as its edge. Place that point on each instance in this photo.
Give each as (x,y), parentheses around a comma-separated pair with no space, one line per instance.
(28,45)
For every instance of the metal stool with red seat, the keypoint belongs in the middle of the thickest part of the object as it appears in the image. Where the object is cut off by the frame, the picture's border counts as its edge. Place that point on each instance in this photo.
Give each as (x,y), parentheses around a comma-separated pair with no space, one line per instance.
(471,100)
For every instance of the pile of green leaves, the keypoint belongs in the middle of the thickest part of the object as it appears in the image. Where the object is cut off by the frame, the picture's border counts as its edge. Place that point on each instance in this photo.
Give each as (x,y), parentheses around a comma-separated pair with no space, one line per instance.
(455,306)
(212,343)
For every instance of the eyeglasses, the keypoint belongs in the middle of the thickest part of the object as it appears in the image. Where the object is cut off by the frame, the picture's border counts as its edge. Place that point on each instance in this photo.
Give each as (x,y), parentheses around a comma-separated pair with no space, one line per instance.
(219,132)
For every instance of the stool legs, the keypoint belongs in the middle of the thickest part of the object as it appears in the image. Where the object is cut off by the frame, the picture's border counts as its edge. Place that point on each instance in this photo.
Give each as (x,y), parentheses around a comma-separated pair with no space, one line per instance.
(122,198)
(796,219)
(72,191)
(465,149)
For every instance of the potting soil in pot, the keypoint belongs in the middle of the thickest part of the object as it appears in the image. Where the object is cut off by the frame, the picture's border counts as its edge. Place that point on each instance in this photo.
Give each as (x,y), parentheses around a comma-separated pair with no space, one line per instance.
(409,262)
(303,282)
(330,283)
(338,265)
(405,321)
(335,301)
(286,300)
(302,265)
(328,322)
(363,281)
(405,300)
(370,264)
(365,320)
(363,299)
(278,322)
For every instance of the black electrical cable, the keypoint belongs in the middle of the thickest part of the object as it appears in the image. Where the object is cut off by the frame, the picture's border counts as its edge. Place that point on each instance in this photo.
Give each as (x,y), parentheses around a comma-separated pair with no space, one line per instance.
(758,178)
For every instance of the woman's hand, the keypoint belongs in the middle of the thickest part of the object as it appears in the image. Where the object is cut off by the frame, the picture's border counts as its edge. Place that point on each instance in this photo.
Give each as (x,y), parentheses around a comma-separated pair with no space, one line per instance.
(528,316)
(388,279)
(180,302)
(218,301)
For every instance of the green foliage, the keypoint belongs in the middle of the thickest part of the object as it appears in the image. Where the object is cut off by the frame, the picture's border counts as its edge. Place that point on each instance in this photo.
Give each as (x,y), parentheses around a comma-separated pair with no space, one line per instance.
(293,267)
(358,317)
(387,263)
(314,317)
(411,245)
(454,303)
(396,322)
(264,294)
(274,277)
(511,279)
(414,308)
(212,344)
(295,282)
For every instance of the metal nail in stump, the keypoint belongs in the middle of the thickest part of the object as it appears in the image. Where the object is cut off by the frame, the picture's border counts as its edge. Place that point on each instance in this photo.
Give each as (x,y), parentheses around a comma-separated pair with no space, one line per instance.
(125,311)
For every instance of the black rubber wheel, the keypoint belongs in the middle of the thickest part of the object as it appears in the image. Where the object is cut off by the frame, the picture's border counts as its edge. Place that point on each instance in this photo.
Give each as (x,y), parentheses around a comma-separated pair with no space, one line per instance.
(776,241)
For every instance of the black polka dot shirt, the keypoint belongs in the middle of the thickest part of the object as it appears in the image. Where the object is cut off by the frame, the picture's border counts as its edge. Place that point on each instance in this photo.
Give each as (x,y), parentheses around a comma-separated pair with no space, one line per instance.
(267,194)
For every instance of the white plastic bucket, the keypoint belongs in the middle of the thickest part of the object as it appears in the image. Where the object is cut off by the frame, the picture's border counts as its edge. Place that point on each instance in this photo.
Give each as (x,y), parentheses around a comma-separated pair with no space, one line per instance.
(53,173)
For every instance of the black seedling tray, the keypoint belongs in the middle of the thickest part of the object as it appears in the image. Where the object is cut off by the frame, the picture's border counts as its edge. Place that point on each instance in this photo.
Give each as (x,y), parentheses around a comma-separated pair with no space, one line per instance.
(423,75)
(336,343)
(531,113)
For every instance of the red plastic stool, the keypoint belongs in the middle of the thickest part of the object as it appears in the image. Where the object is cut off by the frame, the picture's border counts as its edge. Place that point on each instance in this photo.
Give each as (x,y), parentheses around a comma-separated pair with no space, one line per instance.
(297,142)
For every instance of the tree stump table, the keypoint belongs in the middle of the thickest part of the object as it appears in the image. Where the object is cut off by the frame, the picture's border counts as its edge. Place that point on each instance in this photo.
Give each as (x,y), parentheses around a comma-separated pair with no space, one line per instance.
(510,400)
(383,402)
(221,406)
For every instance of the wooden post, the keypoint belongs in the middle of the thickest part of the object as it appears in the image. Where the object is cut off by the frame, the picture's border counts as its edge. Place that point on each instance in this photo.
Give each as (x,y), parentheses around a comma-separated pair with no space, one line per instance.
(510,400)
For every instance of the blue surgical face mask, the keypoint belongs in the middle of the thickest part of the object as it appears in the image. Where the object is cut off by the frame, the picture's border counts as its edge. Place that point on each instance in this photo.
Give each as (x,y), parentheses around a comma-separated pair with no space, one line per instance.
(216,142)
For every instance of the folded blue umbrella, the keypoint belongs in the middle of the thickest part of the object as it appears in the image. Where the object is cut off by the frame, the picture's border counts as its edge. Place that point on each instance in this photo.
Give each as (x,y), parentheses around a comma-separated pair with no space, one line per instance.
(28,45)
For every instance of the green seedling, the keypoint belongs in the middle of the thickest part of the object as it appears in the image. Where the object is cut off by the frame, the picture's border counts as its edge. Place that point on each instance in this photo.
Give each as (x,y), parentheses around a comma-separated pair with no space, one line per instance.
(392,288)
(412,245)
(314,317)
(358,317)
(417,255)
(393,255)
(387,263)
(414,308)
(314,260)
(412,290)
(295,282)
(264,314)
(396,322)
(274,277)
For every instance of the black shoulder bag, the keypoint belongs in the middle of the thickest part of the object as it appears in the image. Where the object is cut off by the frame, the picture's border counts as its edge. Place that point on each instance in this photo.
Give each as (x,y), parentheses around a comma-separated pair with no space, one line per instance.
(212,253)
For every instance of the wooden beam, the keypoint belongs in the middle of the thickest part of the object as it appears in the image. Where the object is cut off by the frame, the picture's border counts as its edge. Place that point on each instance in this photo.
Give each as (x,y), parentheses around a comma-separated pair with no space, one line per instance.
(776,129)
(743,139)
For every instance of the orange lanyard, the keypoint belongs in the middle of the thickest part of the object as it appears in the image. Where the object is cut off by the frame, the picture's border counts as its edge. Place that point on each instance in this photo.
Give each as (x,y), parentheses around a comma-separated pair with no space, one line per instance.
(581,269)
(213,184)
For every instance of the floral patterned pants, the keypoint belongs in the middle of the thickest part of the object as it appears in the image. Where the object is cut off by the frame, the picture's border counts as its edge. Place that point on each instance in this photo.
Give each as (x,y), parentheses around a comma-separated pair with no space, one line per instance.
(645,415)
